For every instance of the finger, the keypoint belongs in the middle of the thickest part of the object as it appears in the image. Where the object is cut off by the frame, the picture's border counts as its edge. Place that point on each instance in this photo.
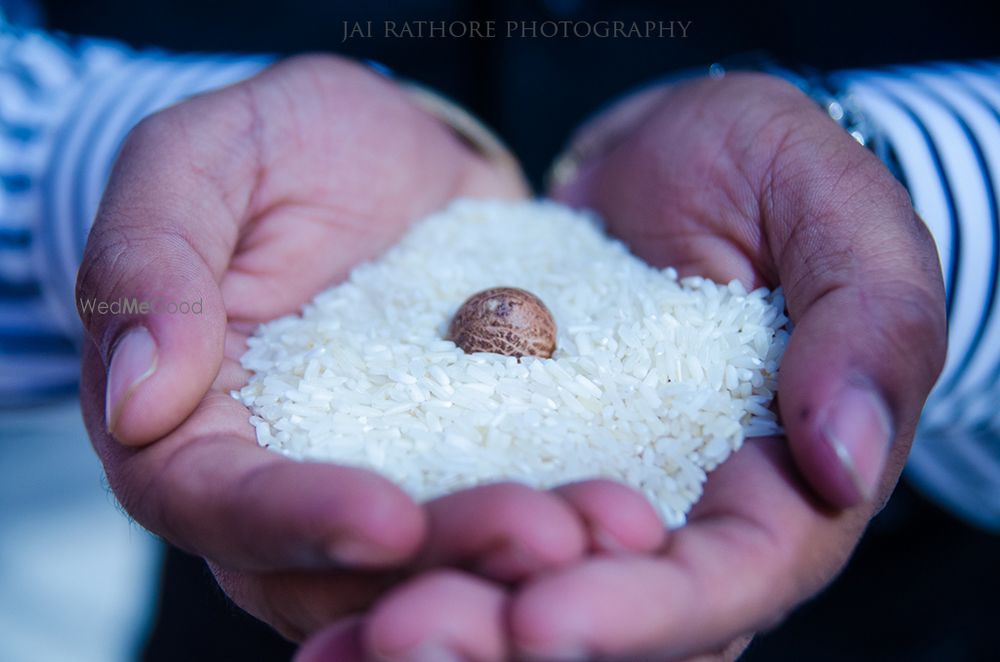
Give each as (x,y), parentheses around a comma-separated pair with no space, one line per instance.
(442,616)
(341,186)
(221,499)
(173,233)
(340,641)
(864,287)
(148,288)
(210,489)
(227,501)
(618,518)
(506,530)
(634,608)
(753,548)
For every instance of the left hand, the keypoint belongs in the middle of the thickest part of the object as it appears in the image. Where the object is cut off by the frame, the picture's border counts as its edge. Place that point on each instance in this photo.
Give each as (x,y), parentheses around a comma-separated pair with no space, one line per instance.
(736,178)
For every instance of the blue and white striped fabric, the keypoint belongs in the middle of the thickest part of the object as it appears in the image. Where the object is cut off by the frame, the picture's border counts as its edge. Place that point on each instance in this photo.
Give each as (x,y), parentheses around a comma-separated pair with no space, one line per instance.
(943,122)
(66,104)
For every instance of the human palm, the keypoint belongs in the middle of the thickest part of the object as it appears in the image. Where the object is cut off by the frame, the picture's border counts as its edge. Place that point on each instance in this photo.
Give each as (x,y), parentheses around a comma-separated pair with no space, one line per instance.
(250,200)
(740,178)
(254,198)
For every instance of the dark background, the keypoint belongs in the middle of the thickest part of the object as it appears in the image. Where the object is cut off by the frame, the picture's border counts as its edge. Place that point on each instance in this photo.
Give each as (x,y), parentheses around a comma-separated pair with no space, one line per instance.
(923,587)
(533,91)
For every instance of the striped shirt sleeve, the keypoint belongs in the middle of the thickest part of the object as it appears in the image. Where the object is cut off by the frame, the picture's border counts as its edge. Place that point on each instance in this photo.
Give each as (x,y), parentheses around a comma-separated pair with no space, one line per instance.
(942,124)
(66,105)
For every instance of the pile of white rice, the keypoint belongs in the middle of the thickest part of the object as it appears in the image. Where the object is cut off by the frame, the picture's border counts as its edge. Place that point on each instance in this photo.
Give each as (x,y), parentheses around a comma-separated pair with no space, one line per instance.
(654,381)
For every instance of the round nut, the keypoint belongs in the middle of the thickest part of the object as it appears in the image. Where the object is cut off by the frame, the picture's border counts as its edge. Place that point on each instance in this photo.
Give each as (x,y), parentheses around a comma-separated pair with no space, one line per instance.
(504,320)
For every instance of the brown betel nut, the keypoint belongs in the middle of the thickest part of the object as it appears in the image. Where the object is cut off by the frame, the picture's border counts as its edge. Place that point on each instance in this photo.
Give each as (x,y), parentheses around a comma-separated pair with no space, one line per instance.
(504,320)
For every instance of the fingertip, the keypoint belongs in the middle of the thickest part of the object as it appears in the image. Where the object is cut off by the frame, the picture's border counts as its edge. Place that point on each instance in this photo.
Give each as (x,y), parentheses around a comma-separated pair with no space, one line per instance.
(489,522)
(154,404)
(228,499)
(160,366)
(385,528)
(618,518)
(840,438)
(397,623)
(439,616)
(556,536)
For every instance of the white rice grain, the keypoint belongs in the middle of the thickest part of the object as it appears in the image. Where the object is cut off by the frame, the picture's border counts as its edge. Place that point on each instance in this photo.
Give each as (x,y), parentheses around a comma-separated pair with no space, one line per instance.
(654,382)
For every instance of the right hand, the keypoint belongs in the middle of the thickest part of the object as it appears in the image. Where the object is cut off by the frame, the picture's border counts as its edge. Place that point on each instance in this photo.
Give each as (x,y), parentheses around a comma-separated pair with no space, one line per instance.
(252,199)
(747,178)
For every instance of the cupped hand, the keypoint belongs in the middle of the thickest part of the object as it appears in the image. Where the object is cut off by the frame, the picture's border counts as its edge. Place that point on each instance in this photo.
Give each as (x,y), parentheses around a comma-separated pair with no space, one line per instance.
(746,178)
(236,207)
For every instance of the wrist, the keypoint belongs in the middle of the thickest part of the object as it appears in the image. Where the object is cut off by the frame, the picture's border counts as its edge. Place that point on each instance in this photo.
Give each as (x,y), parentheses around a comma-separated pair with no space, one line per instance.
(832,98)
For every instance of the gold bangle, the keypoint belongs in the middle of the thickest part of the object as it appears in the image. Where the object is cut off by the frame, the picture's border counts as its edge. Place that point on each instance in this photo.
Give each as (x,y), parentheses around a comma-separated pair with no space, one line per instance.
(564,168)
(469,129)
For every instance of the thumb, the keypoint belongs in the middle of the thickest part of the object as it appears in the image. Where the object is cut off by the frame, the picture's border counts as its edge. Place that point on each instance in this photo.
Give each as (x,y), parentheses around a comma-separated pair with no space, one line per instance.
(147,289)
(863,284)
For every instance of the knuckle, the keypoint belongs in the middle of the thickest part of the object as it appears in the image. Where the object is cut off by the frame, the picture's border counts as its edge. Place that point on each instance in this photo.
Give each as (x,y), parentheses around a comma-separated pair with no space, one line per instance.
(916,330)
(762,85)
(324,65)
(97,272)
(338,83)
(152,132)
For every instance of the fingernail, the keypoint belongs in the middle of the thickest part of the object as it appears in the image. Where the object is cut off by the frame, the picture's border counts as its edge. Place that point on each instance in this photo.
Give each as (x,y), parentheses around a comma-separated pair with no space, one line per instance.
(133,360)
(858,427)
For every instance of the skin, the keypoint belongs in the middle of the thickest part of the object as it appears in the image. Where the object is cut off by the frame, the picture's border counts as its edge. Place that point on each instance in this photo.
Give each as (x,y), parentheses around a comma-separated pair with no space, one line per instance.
(741,177)
(253,199)
(736,178)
